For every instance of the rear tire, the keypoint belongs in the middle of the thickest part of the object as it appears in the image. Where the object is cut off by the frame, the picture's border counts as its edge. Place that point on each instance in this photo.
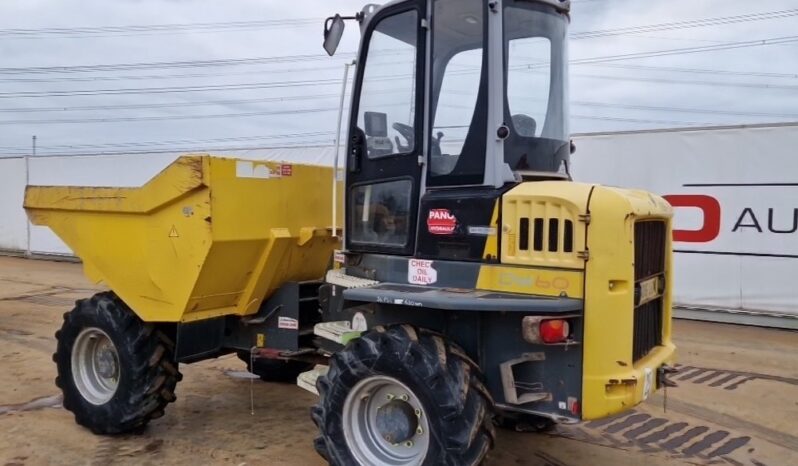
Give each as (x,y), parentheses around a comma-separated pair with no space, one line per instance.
(275,370)
(116,372)
(378,372)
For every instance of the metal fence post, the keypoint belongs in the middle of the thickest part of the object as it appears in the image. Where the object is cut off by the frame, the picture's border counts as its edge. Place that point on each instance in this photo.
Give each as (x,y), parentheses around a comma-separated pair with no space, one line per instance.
(28,252)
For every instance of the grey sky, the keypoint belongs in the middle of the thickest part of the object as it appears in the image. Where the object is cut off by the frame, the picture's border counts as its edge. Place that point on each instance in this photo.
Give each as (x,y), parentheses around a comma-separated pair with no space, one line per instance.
(617,95)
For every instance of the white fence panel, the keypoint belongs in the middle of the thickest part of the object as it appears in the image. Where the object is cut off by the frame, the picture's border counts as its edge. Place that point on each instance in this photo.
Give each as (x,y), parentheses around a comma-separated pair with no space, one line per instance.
(13,222)
(122,170)
(735,192)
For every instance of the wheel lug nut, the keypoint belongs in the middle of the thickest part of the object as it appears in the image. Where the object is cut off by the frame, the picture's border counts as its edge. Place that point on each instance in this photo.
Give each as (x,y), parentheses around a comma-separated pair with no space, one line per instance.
(390,396)
(419,431)
(405,397)
(418,412)
(409,443)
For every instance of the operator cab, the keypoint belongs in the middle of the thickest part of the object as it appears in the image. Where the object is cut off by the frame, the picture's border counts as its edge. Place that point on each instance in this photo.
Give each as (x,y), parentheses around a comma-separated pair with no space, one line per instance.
(454,102)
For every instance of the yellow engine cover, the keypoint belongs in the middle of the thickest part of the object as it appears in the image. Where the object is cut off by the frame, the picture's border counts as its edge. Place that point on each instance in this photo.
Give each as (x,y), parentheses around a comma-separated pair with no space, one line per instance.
(577,240)
(206,237)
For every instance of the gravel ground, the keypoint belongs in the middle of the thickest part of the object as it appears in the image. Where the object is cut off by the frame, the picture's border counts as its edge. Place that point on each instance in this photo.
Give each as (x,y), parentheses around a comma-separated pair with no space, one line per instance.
(737,403)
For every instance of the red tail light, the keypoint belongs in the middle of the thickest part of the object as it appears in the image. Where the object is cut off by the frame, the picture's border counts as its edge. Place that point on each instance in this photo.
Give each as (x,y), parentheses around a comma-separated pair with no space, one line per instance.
(554,331)
(574,406)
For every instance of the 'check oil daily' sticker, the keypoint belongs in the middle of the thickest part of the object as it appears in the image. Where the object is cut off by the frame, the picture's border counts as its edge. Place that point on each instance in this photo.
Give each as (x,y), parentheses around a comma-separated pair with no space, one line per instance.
(421,272)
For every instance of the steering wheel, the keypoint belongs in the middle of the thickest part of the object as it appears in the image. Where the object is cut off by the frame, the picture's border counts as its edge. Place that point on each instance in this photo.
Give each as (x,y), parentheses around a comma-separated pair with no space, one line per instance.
(407,132)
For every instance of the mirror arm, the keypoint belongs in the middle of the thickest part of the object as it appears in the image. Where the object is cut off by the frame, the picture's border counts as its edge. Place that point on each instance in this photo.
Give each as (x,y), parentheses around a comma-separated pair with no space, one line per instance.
(357,17)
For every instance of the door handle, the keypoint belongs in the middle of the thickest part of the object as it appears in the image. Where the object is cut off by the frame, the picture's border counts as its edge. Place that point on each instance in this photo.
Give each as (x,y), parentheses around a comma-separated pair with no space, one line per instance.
(355,152)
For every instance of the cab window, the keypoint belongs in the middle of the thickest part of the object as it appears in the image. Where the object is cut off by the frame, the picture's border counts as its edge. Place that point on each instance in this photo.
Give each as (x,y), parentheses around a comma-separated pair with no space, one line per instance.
(380,213)
(387,113)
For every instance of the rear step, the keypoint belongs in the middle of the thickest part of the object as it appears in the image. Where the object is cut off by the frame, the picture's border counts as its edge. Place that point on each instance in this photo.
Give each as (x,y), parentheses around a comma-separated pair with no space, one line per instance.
(340,332)
(307,380)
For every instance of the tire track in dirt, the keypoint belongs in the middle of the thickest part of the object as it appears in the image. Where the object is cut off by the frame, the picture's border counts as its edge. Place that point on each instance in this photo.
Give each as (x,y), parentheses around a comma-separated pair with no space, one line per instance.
(53,401)
(695,443)
(782,439)
(27,340)
(725,379)
(111,450)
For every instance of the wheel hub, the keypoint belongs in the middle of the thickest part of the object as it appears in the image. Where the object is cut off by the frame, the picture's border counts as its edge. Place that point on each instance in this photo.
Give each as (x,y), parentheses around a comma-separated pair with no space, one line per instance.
(384,423)
(397,421)
(105,360)
(95,366)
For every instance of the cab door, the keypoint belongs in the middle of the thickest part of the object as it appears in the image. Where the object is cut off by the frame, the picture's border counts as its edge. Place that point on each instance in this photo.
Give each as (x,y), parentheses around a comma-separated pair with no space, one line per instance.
(386,137)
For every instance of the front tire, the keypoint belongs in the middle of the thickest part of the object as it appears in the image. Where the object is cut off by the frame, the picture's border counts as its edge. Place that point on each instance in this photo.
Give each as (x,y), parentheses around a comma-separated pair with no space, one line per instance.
(404,397)
(116,372)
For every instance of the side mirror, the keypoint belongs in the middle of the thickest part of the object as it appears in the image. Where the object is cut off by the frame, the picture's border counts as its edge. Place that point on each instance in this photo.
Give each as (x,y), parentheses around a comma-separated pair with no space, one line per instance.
(333,31)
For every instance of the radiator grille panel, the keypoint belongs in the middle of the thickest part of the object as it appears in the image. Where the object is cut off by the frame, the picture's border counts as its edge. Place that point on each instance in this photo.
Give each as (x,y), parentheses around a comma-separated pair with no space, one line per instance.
(649,249)
(647,328)
(650,242)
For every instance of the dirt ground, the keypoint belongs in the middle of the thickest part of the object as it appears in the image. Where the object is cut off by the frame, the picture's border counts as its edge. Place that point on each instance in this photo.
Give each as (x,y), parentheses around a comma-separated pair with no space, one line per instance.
(737,402)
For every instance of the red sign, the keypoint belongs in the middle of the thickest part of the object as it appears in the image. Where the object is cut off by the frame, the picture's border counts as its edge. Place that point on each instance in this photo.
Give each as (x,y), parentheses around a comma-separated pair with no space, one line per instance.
(711,209)
(286,170)
(441,222)
(765,219)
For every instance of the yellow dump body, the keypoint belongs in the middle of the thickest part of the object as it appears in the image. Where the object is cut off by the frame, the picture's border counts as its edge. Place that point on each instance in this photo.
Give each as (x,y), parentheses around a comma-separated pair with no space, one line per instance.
(206,237)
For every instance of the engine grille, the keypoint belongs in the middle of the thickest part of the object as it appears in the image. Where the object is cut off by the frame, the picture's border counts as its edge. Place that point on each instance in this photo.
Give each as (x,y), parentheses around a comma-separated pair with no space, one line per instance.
(543,232)
(649,249)
(650,241)
(647,328)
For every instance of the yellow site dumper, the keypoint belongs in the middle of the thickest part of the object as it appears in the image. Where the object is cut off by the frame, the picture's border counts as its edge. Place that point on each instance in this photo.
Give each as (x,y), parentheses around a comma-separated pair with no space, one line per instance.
(475,283)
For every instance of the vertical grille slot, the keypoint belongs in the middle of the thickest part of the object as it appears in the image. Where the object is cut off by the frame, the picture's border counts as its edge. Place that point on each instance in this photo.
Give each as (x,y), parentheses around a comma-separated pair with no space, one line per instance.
(650,242)
(538,242)
(568,240)
(554,234)
(523,234)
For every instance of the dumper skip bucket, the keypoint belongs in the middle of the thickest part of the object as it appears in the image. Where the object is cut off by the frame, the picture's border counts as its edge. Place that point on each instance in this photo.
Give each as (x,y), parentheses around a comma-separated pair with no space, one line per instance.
(206,237)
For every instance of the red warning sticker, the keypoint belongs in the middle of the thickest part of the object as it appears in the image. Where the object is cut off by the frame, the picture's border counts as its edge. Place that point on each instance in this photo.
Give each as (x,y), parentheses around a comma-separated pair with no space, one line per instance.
(286,169)
(441,222)
(288,323)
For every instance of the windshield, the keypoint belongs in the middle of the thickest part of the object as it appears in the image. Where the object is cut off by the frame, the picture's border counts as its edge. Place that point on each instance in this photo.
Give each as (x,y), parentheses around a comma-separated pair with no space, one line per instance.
(536,87)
